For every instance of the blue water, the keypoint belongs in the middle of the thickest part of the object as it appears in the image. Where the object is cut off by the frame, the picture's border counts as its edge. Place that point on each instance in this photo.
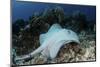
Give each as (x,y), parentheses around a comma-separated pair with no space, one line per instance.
(22,10)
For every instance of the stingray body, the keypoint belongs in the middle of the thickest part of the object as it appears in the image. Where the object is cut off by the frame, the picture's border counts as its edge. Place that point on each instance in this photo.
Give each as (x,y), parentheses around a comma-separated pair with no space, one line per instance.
(52,41)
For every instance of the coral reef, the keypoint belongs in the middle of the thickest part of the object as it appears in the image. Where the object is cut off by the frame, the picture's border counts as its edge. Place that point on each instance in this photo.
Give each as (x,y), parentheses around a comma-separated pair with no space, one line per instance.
(25,37)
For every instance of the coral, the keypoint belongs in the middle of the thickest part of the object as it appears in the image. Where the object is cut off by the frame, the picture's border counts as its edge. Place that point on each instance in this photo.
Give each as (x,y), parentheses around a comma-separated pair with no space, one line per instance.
(26,34)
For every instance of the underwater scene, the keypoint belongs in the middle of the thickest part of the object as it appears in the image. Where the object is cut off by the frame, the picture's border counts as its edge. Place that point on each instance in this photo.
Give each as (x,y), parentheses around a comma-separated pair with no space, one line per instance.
(52,33)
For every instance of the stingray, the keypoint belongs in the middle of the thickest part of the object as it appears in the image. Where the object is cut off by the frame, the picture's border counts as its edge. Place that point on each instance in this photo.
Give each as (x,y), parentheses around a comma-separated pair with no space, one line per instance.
(52,41)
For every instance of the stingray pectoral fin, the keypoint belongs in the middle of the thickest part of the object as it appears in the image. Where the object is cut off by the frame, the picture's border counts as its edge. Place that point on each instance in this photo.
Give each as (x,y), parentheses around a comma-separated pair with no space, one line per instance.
(42,38)
(54,28)
(55,49)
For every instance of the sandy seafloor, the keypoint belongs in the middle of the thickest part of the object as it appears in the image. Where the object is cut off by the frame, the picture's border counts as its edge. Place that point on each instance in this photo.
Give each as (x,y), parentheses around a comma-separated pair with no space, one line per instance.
(87,53)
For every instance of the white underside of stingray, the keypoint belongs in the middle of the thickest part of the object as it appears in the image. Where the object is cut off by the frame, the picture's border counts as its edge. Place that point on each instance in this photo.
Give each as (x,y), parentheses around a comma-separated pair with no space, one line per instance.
(52,41)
